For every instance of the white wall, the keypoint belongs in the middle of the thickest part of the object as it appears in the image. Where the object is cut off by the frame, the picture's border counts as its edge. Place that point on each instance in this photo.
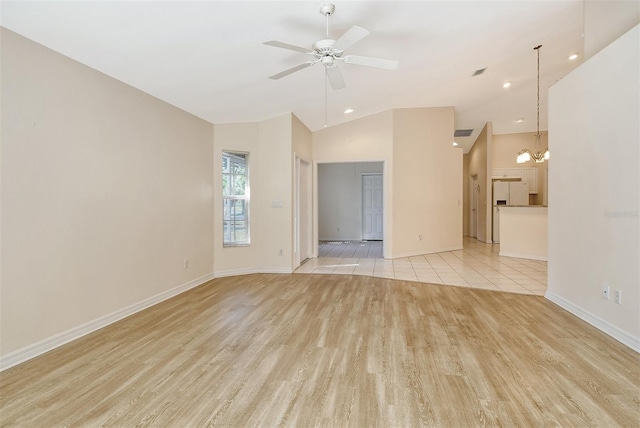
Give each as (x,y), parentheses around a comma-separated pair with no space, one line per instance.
(105,191)
(594,190)
(340,199)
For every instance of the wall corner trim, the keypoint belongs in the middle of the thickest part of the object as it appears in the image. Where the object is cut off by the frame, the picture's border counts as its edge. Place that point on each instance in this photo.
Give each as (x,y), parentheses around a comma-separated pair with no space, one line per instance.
(46,345)
(602,325)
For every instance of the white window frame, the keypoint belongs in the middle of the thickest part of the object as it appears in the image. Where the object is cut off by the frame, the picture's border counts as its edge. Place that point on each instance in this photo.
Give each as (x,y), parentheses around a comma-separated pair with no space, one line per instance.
(235,242)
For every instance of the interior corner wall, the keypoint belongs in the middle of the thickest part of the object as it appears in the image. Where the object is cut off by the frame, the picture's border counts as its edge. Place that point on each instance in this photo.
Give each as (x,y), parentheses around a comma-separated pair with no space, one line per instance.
(105,192)
(594,190)
(479,164)
(427,182)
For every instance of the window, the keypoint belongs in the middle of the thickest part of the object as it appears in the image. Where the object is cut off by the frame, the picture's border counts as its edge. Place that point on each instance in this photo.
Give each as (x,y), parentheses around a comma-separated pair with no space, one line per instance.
(235,196)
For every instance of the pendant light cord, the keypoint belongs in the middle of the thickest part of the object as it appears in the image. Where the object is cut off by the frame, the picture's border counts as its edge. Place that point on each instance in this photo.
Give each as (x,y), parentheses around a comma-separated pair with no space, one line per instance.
(537,48)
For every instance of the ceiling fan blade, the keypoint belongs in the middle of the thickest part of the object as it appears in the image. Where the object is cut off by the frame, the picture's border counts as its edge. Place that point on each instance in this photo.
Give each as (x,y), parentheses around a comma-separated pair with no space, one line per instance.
(335,77)
(350,38)
(387,64)
(283,45)
(291,70)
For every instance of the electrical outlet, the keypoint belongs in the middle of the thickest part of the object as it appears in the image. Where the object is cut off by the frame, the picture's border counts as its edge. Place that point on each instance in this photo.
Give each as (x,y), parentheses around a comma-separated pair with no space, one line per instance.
(280,252)
(605,292)
(419,237)
(186,263)
(618,297)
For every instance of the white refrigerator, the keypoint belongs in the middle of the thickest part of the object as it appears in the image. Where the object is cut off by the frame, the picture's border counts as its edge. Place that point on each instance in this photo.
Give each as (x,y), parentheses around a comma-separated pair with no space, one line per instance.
(507,193)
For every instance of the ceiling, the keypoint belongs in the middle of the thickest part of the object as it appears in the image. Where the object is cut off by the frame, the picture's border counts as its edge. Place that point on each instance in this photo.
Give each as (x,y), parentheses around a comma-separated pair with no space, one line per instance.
(208,57)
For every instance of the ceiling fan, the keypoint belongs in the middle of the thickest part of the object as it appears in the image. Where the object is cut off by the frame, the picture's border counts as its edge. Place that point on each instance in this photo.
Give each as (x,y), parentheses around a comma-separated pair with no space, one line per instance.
(328,52)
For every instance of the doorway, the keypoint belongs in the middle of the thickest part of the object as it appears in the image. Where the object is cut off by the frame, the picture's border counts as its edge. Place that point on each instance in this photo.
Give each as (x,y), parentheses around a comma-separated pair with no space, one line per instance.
(350,208)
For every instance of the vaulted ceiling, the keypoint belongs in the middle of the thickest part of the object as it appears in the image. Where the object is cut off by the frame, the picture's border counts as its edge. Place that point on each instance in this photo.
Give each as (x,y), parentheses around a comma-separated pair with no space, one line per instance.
(208,57)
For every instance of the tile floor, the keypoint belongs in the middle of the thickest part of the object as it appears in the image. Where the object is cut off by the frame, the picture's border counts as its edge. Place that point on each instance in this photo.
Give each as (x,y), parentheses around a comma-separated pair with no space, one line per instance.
(477,265)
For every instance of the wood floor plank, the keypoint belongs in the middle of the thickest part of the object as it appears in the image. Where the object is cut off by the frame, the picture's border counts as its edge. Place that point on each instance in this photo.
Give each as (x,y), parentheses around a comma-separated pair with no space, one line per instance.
(332,350)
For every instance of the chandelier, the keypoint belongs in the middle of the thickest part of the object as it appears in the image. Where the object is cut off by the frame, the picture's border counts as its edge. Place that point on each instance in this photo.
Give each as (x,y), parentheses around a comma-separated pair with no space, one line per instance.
(537,155)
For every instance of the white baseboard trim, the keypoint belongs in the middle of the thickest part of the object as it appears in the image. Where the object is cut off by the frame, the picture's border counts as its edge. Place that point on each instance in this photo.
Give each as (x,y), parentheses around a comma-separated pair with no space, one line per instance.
(524,256)
(602,325)
(46,345)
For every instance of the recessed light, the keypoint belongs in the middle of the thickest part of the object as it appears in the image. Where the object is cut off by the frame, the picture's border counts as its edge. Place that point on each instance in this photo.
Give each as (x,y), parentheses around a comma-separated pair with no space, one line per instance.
(519,120)
(506,84)
(455,144)
(573,56)
(349,110)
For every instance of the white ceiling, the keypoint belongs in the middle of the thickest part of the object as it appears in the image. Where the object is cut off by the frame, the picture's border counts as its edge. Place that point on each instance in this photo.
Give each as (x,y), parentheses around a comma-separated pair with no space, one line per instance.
(207,57)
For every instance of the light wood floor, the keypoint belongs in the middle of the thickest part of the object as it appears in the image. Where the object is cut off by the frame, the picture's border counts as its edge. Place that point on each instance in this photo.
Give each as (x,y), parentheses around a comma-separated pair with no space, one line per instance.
(332,350)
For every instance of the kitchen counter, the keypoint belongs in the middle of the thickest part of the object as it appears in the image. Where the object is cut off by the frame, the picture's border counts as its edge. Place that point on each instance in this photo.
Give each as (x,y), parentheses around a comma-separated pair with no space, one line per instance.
(523,231)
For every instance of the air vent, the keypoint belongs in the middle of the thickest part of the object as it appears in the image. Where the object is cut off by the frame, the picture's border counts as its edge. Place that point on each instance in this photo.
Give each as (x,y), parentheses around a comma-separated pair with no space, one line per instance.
(462,132)
(478,72)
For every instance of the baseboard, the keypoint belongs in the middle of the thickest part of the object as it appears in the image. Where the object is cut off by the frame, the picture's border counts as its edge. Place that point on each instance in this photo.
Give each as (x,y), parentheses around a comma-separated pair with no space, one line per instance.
(602,325)
(524,256)
(46,345)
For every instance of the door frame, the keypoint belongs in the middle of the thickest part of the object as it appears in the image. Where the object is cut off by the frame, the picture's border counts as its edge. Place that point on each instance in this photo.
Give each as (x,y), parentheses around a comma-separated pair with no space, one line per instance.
(302,198)
(387,180)
(473,206)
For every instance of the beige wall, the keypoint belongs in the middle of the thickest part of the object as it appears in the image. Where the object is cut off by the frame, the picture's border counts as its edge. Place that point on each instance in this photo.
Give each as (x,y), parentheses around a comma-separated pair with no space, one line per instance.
(505,149)
(275,185)
(427,182)
(105,191)
(594,234)
(479,158)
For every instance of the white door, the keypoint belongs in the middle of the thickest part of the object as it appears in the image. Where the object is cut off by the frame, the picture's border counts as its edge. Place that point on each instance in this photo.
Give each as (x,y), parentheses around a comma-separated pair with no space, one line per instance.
(372,207)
